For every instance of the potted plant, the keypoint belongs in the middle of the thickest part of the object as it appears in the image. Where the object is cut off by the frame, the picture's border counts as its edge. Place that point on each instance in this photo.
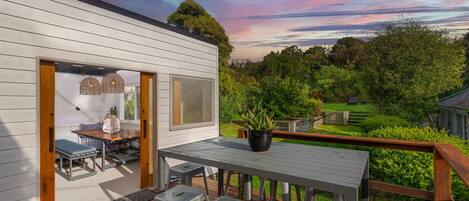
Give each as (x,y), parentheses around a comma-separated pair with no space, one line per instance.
(259,125)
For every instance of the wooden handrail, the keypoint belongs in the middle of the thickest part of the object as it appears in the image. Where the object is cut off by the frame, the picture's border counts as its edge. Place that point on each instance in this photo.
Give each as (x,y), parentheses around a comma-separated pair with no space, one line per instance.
(356,140)
(446,157)
(456,159)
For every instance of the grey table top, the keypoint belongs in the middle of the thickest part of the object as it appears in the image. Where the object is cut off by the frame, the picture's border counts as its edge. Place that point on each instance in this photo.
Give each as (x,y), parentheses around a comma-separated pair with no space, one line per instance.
(329,169)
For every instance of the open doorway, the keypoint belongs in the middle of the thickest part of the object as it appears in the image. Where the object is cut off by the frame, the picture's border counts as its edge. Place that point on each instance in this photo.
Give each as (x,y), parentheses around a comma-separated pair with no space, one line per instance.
(96,131)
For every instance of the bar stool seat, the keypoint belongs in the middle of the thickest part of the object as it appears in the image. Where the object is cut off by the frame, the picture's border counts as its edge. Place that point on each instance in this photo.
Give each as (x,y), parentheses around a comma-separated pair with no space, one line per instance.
(225,198)
(186,171)
(181,193)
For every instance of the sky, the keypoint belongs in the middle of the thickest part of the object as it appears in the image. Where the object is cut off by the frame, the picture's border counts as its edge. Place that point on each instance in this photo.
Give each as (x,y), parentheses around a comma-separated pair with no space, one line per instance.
(257,27)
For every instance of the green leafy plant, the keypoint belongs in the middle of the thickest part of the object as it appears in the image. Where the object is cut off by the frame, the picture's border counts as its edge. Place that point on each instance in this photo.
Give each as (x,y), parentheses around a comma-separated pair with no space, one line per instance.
(258,119)
(383,121)
(409,168)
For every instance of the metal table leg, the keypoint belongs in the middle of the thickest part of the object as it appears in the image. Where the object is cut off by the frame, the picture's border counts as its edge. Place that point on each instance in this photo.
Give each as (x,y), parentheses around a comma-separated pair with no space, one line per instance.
(364,184)
(161,173)
(247,187)
(103,160)
(285,191)
(221,177)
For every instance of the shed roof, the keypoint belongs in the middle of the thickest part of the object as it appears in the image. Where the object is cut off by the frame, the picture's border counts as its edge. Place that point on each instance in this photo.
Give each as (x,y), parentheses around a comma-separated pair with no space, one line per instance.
(458,100)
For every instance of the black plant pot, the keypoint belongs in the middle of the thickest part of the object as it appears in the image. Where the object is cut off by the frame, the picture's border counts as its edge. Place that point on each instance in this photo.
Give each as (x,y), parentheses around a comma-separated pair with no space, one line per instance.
(259,140)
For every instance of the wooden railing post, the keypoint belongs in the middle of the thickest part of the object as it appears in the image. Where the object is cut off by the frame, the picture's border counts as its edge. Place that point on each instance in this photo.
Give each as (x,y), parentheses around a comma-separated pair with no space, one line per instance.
(442,178)
(242,133)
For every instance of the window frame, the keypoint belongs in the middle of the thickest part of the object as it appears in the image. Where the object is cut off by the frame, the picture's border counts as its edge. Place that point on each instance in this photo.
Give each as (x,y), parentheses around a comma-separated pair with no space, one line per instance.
(122,102)
(171,96)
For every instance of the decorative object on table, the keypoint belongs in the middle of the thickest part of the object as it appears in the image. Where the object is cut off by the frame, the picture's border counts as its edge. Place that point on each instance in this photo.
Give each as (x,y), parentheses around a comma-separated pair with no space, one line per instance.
(259,125)
(111,124)
(112,83)
(90,86)
(113,111)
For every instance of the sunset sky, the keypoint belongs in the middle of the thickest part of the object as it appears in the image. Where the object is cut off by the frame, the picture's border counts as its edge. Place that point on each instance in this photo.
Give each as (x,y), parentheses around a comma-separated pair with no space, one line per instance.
(256,27)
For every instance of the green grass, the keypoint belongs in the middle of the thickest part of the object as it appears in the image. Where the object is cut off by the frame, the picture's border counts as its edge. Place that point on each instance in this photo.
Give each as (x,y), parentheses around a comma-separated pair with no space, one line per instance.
(332,107)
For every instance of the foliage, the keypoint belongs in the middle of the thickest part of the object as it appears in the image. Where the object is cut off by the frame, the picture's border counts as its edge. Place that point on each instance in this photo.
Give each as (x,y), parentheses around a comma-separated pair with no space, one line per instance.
(348,52)
(287,63)
(383,121)
(315,57)
(465,41)
(332,107)
(336,84)
(287,98)
(258,119)
(408,66)
(413,169)
(192,17)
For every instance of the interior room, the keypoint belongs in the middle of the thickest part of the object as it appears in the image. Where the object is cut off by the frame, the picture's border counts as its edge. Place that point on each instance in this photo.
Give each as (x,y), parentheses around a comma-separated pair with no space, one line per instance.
(96,107)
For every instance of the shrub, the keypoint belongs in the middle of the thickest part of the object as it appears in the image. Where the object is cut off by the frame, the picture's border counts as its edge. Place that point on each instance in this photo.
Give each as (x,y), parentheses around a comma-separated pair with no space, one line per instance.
(383,121)
(413,169)
(287,98)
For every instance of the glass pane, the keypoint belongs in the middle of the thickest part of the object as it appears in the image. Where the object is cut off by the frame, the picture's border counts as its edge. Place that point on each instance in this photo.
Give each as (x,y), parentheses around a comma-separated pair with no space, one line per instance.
(129,103)
(192,101)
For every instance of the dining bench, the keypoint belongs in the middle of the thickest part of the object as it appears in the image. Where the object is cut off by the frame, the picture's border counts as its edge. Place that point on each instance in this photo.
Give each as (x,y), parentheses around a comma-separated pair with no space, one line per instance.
(66,149)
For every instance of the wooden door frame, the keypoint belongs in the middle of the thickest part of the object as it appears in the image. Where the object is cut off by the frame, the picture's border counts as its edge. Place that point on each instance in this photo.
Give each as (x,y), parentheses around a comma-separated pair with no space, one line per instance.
(47,128)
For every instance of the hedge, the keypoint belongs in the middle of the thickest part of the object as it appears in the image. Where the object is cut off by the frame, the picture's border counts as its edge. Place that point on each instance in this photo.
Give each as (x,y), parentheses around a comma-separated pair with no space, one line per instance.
(413,169)
(383,121)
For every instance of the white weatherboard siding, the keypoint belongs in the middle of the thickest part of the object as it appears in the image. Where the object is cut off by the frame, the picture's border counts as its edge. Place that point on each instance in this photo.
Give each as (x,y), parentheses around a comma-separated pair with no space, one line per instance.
(69,30)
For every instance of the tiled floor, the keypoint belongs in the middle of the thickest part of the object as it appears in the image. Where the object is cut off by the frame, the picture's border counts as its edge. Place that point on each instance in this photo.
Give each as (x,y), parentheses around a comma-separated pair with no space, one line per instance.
(109,185)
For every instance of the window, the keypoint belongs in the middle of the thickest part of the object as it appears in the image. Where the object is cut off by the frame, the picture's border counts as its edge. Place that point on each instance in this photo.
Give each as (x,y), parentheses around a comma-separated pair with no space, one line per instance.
(191,102)
(131,103)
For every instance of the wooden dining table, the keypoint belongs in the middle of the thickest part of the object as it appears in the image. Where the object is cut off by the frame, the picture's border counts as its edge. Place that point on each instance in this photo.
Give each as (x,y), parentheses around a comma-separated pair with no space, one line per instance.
(105,139)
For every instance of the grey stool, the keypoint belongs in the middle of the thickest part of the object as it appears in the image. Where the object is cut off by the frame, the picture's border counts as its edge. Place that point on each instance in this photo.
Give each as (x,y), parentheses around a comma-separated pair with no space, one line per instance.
(186,171)
(224,198)
(309,195)
(181,193)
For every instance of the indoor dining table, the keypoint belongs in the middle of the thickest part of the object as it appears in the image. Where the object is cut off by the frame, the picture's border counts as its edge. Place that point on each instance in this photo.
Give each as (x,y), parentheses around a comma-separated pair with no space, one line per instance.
(104,138)
(340,171)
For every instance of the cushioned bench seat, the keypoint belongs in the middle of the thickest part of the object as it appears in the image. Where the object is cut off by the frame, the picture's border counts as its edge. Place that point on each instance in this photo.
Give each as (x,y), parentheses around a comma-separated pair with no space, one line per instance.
(74,151)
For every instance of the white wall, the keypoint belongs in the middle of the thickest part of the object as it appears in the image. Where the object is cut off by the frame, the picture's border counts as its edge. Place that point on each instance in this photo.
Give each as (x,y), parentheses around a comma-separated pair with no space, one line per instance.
(69,30)
(67,97)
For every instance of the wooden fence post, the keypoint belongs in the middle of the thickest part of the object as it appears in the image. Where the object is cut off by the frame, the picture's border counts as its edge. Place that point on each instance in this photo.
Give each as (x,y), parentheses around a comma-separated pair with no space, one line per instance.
(242,133)
(442,178)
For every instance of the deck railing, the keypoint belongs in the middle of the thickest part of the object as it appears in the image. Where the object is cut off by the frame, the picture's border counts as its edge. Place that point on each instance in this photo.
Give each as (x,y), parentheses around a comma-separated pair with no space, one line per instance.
(446,157)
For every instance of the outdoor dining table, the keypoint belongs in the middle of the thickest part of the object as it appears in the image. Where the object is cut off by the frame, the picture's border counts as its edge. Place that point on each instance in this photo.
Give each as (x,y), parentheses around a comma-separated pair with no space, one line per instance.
(340,171)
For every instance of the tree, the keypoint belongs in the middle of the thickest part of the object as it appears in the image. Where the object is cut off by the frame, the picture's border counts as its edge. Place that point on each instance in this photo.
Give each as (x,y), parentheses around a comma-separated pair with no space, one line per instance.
(287,63)
(466,71)
(348,52)
(192,17)
(316,57)
(408,66)
(287,98)
(336,84)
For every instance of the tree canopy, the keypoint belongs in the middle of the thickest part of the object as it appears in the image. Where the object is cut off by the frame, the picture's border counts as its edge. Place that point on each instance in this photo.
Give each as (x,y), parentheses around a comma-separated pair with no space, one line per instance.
(192,17)
(409,66)
(348,52)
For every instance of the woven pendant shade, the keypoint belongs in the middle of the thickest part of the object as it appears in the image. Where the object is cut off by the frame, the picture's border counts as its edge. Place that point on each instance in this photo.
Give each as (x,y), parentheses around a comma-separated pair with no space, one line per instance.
(112,84)
(90,86)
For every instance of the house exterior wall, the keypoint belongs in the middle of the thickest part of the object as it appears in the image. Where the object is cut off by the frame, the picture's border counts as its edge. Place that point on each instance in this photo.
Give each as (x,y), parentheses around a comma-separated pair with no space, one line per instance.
(455,122)
(70,30)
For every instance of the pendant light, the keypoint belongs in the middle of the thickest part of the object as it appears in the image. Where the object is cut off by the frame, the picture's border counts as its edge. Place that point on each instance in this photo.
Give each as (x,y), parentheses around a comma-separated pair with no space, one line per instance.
(90,86)
(112,84)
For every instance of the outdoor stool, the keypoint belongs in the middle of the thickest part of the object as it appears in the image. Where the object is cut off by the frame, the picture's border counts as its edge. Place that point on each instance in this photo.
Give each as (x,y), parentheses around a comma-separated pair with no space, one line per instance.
(225,198)
(181,193)
(309,195)
(186,171)
(74,151)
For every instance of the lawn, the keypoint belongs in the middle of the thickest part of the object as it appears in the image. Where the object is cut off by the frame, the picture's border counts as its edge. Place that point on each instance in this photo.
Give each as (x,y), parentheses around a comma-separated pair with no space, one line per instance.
(331,107)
